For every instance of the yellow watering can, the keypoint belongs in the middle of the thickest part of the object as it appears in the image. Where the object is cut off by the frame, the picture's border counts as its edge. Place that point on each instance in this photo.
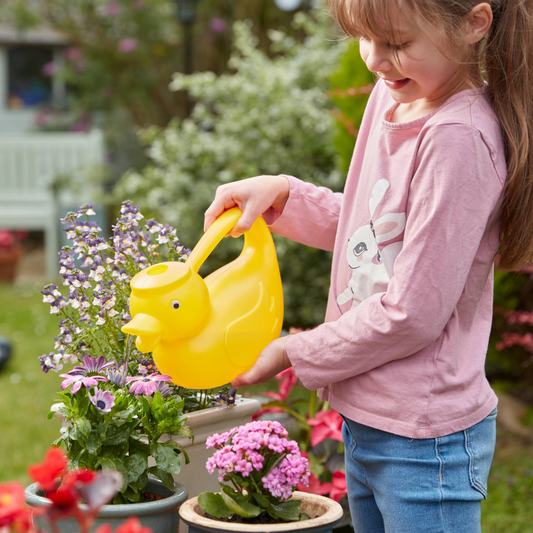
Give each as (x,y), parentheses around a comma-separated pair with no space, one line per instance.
(205,332)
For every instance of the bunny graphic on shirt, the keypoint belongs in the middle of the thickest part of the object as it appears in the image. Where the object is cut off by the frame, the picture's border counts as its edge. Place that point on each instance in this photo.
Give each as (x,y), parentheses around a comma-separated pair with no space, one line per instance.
(371,267)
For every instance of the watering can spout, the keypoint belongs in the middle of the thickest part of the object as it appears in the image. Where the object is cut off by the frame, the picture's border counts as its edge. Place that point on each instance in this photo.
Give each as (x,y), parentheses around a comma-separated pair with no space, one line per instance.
(148,330)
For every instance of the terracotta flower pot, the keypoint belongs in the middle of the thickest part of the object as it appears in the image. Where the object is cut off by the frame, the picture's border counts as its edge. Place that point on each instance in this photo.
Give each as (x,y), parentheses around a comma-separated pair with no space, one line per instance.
(8,262)
(324,512)
(160,515)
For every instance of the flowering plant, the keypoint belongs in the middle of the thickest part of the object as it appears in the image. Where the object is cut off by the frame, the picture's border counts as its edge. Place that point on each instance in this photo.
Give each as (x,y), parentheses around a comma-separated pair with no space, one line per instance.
(65,490)
(116,403)
(318,430)
(262,468)
(9,239)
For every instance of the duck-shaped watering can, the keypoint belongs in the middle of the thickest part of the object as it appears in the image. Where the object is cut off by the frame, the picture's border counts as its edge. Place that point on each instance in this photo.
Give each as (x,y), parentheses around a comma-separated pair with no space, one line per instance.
(205,332)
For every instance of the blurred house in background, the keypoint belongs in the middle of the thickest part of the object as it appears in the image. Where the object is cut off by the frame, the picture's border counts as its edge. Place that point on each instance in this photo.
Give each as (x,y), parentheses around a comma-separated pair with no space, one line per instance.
(32,159)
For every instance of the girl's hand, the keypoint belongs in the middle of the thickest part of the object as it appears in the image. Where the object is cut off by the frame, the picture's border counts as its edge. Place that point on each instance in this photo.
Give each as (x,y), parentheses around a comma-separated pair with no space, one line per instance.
(252,196)
(271,361)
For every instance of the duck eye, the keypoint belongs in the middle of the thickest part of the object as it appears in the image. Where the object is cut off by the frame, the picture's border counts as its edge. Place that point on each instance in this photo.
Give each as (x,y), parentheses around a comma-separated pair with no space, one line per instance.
(175,304)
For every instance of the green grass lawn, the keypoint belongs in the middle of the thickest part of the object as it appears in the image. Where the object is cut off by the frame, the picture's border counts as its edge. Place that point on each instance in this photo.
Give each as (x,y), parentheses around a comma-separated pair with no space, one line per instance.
(26,394)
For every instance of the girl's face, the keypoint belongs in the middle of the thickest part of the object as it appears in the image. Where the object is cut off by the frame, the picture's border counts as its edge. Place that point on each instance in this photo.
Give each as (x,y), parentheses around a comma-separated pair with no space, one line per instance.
(417,74)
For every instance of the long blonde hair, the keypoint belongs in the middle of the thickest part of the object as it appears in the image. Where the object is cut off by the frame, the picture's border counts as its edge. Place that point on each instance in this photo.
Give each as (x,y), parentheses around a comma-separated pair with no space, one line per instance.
(505,59)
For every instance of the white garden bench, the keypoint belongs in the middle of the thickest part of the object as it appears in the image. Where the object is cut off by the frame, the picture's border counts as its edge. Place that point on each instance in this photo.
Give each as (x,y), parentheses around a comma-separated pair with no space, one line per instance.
(29,163)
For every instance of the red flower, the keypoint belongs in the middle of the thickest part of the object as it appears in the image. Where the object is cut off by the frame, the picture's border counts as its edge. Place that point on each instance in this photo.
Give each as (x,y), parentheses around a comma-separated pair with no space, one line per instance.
(45,473)
(315,487)
(11,502)
(327,424)
(288,380)
(339,488)
(67,496)
(132,525)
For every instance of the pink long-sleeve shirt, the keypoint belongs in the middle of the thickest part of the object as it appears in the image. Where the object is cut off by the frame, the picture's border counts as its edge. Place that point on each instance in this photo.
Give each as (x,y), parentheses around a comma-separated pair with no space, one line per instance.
(414,237)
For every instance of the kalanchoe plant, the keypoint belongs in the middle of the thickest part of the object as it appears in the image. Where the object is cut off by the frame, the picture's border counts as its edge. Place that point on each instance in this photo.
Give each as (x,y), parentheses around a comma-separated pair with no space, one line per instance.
(116,403)
(258,468)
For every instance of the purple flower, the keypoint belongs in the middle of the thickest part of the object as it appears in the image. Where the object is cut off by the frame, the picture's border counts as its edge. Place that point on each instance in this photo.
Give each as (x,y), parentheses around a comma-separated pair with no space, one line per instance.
(78,380)
(127,45)
(218,25)
(92,366)
(164,388)
(116,376)
(113,8)
(102,400)
(87,374)
(49,69)
(146,384)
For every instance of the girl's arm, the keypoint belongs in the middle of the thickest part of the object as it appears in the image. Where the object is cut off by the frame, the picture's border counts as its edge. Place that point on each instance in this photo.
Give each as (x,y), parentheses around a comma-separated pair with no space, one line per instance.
(300,211)
(449,243)
(311,215)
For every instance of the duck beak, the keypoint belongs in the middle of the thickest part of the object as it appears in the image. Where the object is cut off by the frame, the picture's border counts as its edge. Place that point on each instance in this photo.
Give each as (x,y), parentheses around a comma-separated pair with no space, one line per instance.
(147,329)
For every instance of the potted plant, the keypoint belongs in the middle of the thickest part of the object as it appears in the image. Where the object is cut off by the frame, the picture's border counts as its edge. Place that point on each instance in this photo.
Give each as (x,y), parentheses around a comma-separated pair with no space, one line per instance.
(258,469)
(318,430)
(10,252)
(74,501)
(117,410)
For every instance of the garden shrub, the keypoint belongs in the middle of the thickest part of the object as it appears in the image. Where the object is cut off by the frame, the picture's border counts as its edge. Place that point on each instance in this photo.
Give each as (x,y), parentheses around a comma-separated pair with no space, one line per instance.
(510,354)
(270,116)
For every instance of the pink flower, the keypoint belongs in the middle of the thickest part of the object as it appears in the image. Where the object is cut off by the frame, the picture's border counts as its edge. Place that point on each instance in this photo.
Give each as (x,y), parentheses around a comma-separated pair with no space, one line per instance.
(218,25)
(79,380)
(326,424)
(339,488)
(127,45)
(73,54)
(49,69)
(102,400)
(113,8)
(146,384)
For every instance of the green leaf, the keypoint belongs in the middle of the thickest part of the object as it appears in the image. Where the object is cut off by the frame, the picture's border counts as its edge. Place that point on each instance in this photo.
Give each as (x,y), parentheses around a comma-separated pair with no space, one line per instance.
(261,500)
(132,495)
(114,463)
(140,483)
(165,477)
(93,442)
(214,505)
(239,504)
(117,435)
(167,459)
(83,406)
(135,465)
(288,510)
(80,429)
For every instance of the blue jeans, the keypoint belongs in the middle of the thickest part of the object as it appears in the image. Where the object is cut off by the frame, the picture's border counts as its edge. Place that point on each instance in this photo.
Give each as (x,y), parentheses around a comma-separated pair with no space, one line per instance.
(402,485)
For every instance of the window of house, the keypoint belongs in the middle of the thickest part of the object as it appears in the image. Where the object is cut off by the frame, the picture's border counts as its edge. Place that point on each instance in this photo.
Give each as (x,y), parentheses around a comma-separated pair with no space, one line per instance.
(29,76)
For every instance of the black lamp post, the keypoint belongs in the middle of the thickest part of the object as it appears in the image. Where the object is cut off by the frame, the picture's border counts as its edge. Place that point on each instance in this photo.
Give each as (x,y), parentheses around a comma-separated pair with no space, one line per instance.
(187,16)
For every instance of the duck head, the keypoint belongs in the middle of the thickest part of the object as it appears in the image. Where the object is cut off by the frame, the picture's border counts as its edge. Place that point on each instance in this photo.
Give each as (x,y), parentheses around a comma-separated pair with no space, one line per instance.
(168,301)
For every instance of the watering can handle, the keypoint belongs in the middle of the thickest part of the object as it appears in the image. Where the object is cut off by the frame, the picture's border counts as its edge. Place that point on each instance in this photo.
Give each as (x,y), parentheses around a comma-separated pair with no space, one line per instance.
(214,234)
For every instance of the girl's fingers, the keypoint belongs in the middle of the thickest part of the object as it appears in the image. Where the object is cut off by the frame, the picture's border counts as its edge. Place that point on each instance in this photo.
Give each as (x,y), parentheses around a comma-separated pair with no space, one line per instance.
(249,214)
(221,203)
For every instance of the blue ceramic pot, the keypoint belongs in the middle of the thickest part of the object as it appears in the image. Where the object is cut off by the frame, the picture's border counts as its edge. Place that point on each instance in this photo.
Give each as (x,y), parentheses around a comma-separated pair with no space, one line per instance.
(324,512)
(160,515)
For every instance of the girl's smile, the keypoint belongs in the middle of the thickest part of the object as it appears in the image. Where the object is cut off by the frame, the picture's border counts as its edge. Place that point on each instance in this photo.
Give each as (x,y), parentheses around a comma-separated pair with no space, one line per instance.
(420,78)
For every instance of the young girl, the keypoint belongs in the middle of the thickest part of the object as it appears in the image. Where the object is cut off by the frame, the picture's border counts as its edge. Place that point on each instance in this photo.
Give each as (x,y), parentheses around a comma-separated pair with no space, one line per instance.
(441,178)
